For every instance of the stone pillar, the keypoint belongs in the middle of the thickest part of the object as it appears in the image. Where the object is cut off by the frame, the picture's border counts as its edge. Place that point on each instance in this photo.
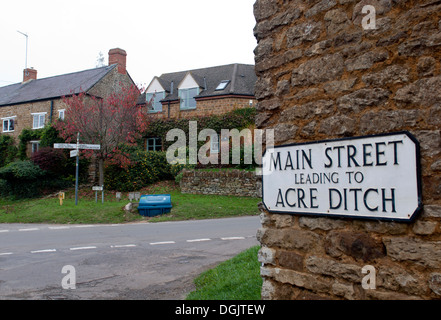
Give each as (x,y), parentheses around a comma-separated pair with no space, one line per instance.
(324,74)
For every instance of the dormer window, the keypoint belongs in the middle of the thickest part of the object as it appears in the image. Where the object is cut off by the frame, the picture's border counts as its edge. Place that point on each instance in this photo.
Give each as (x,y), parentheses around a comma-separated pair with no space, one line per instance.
(222,85)
(187,97)
(155,100)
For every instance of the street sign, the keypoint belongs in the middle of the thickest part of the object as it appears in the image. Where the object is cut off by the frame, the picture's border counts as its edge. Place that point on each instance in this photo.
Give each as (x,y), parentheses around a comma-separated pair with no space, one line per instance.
(90,146)
(374,177)
(97,188)
(74,146)
(65,146)
(74,153)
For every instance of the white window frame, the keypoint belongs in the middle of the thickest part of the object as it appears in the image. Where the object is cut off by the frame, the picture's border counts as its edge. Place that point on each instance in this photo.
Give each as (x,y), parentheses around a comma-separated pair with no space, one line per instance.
(61,114)
(8,119)
(40,115)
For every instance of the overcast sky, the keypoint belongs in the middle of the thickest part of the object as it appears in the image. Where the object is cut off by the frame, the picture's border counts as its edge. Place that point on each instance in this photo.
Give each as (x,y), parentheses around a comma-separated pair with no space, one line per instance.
(160,36)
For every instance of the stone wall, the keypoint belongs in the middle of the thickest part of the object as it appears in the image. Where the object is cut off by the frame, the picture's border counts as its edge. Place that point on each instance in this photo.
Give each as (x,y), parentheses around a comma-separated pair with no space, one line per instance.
(321,76)
(225,183)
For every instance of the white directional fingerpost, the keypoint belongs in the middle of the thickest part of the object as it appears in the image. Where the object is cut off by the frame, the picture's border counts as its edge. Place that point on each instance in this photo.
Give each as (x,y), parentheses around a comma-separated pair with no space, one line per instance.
(76,153)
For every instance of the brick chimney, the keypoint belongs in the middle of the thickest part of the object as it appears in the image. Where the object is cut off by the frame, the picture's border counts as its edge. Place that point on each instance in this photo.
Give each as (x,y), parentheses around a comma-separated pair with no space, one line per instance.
(29,74)
(118,56)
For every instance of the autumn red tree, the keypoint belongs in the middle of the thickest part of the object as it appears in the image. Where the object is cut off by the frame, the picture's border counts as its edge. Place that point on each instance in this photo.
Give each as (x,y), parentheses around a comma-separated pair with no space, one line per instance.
(110,122)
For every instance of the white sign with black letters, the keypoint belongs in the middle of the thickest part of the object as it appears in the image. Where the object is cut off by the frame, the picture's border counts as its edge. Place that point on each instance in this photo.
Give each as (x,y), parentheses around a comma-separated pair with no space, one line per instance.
(375,177)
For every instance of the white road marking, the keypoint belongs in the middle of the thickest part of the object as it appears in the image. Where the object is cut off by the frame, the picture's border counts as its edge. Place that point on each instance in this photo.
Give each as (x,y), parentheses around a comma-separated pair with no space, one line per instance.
(4,231)
(59,228)
(124,246)
(85,226)
(233,238)
(44,251)
(6,254)
(160,243)
(82,248)
(28,229)
(198,240)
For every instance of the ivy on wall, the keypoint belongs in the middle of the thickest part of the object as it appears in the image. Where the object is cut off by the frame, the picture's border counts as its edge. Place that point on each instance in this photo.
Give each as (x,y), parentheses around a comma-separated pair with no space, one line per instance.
(236,119)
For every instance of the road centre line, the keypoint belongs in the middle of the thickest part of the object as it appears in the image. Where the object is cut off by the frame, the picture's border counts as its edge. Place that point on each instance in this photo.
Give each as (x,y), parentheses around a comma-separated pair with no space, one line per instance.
(198,240)
(233,238)
(6,254)
(28,229)
(161,243)
(124,246)
(4,231)
(44,251)
(59,228)
(83,248)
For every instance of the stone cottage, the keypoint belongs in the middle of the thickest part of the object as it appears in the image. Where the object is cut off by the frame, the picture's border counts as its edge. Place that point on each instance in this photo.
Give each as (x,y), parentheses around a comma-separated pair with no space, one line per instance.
(35,102)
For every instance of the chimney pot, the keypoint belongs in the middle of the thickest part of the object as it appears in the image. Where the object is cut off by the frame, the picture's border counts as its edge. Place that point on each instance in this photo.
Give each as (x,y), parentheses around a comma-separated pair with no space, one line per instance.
(29,74)
(118,56)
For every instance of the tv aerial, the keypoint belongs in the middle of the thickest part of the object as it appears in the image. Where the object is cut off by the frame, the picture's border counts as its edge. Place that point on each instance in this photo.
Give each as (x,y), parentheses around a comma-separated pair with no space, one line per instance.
(26,59)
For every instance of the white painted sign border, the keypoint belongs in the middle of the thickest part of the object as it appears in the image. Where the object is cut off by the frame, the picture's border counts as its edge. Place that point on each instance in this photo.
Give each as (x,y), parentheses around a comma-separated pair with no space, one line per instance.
(269,184)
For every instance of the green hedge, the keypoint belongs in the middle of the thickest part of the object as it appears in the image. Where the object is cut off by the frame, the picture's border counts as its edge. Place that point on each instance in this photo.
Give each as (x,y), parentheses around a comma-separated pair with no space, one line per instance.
(8,151)
(147,168)
(24,179)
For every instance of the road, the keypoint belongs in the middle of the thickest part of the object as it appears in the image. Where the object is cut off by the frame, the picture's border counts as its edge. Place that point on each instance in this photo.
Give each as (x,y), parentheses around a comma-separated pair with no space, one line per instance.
(130,262)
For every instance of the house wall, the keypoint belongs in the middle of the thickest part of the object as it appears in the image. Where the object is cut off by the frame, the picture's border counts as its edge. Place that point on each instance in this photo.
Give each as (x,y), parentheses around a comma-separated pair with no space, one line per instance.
(111,82)
(23,113)
(322,76)
(209,107)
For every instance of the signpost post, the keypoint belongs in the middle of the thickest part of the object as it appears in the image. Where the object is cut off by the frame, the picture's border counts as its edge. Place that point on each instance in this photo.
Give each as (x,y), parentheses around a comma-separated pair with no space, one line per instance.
(96,189)
(374,177)
(76,153)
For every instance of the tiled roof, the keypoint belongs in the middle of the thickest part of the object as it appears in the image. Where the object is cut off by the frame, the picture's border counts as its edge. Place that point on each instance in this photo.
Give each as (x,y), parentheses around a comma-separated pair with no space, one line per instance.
(241,76)
(53,87)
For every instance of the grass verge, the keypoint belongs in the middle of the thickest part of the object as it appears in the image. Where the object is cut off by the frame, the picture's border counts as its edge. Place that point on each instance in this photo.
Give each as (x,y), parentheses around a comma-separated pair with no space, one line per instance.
(185,207)
(235,279)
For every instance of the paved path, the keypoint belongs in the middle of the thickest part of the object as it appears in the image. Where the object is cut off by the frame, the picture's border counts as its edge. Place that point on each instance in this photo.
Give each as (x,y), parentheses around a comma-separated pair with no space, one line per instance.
(130,261)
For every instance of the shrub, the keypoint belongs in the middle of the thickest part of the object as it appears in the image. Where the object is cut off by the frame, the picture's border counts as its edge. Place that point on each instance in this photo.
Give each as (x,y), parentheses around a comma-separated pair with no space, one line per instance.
(8,151)
(146,168)
(50,136)
(25,137)
(50,160)
(22,179)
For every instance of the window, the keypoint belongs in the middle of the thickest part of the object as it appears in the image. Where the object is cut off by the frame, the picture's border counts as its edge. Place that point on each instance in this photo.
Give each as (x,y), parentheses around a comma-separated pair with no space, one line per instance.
(39,119)
(187,96)
(8,124)
(35,146)
(61,114)
(155,98)
(214,144)
(222,85)
(154,144)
